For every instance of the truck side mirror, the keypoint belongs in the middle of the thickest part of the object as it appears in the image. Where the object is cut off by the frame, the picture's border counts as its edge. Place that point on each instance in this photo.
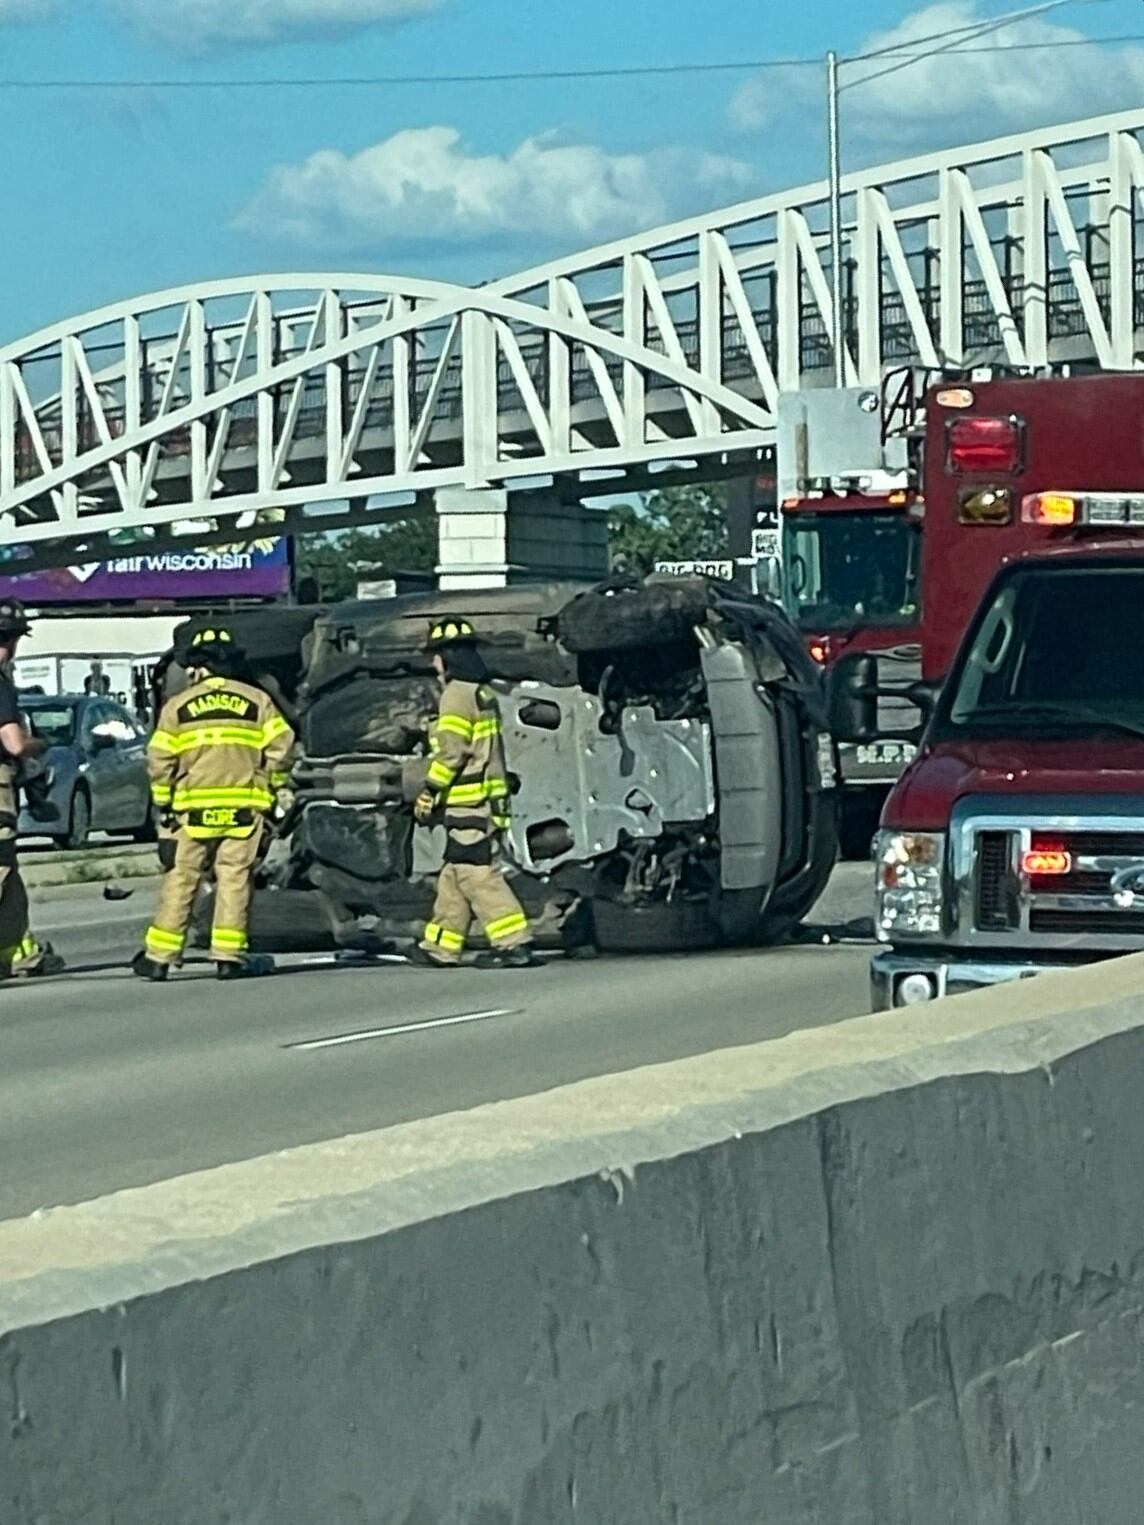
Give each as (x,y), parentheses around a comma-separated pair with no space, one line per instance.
(853,690)
(852,698)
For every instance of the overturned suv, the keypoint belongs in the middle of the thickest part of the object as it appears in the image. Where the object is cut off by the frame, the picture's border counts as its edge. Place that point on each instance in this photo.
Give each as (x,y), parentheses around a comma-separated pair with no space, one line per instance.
(672,784)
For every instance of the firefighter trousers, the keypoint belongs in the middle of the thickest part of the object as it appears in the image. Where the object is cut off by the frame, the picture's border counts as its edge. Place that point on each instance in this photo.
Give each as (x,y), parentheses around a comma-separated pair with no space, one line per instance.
(232,860)
(465,891)
(17,946)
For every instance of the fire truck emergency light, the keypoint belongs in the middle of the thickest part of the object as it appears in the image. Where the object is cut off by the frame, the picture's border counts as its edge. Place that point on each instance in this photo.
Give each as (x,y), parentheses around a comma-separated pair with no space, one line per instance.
(983,445)
(1107,509)
(1046,862)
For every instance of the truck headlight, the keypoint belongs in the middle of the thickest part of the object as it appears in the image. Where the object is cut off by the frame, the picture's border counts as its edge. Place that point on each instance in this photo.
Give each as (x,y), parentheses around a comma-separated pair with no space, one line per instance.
(907,892)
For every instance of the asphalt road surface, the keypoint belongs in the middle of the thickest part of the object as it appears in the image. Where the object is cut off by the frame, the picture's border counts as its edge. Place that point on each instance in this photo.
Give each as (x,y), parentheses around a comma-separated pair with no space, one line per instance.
(107,1082)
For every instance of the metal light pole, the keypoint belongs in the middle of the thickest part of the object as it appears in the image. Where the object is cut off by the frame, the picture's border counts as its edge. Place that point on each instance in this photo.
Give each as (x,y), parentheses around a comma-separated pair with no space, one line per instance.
(835,150)
(949,40)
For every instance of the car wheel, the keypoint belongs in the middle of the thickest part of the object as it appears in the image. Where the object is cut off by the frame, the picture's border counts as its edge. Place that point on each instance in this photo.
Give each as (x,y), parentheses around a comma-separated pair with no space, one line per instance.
(649,615)
(281,921)
(79,822)
(682,926)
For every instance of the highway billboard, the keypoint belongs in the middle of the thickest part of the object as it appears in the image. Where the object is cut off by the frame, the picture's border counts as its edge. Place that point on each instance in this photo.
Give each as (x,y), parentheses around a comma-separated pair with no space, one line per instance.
(259,570)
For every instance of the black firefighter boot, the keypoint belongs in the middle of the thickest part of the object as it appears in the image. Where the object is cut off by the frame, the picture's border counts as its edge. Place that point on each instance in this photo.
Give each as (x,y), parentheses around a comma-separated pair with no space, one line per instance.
(524,957)
(253,967)
(147,969)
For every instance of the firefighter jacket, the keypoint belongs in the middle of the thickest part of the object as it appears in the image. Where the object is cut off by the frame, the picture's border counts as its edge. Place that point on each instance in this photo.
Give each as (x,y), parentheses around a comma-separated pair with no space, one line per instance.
(218,758)
(467,772)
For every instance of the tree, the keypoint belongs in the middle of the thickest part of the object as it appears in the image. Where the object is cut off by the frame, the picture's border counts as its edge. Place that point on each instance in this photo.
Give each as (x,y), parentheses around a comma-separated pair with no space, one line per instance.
(338,562)
(673,524)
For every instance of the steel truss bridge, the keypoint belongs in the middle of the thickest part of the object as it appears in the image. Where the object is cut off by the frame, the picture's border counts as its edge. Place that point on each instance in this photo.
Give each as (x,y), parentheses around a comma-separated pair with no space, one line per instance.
(218,408)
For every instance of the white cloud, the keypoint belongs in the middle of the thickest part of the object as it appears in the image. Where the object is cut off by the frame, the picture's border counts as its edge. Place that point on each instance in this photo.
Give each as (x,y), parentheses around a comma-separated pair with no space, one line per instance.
(426,185)
(955,96)
(197,25)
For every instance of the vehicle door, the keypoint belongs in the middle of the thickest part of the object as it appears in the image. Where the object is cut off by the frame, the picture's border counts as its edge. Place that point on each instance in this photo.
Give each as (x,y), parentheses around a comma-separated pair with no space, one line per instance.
(101,765)
(118,752)
(131,749)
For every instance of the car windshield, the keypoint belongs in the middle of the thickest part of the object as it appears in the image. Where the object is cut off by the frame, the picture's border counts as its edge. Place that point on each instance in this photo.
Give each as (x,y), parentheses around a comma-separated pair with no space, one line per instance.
(844,571)
(54,723)
(1056,652)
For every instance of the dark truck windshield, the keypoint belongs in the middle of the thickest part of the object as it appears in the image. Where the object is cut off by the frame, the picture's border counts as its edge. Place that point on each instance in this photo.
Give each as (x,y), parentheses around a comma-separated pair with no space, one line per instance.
(847,570)
(1056,652)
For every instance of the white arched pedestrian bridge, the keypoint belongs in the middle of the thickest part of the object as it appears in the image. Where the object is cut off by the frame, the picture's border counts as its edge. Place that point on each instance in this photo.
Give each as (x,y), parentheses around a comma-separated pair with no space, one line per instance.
(222,404)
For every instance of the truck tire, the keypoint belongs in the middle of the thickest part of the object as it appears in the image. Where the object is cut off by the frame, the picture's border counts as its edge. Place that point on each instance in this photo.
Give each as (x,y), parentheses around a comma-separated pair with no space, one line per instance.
(618,619)
(281,921)
(371,714)
(858,816)
(289,921)
(682,926)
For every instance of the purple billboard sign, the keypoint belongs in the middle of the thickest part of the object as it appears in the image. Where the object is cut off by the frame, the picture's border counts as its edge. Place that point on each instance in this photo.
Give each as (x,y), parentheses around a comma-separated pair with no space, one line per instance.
(261,570)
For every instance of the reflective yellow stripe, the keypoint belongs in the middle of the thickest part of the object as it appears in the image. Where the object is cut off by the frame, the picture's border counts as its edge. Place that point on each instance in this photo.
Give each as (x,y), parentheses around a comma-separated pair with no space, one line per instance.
(466,794)
(275,727)
(229,938)
(29,947)
(252,797)
(507,926)
(441,937)
(164,743)
(279,780)
(457,725)
(475,794)
(164,941)
(212,736)
(485,730)
(440,775)
(162,794)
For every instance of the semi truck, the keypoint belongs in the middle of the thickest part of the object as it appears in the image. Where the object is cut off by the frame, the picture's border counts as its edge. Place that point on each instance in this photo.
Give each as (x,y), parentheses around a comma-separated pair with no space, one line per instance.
(1013,844)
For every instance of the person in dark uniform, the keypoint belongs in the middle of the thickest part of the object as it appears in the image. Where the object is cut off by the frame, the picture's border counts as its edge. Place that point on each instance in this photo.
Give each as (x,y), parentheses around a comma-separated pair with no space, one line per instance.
(20,762)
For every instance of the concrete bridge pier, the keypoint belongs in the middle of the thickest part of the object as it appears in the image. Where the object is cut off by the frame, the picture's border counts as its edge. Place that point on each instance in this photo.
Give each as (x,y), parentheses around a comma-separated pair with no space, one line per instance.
(490,537)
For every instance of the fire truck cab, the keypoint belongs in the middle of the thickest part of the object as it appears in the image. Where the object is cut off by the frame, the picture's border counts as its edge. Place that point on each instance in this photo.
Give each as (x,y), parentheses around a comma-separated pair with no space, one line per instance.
(1014,842)
(851,568)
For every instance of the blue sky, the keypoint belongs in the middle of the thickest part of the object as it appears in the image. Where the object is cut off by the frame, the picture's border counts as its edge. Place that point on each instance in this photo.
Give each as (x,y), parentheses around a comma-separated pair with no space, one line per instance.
(112,193)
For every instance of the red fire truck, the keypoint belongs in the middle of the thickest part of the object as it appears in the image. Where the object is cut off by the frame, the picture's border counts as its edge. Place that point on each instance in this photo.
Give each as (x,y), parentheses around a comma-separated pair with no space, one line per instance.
(852,563)
(898,508)
(1014,842)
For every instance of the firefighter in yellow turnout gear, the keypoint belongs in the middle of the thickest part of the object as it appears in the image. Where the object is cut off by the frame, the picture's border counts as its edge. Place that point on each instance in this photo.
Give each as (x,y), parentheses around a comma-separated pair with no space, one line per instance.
(218,761)
(468,788)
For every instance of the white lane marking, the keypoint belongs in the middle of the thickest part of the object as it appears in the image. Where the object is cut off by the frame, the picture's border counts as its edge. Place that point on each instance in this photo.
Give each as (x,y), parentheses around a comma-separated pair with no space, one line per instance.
(406,1027)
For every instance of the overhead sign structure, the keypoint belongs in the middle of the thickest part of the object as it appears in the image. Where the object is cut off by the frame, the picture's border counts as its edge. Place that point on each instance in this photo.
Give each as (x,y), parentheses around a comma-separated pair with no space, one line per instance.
(261,570)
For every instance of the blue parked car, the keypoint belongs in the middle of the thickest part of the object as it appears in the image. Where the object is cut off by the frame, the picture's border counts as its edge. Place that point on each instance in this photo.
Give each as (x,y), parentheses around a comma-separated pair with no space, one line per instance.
(97,752)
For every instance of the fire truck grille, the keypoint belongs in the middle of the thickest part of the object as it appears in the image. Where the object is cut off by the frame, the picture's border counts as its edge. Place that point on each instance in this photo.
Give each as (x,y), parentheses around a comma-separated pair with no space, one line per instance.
(1088,923)
(997,909)
(1078,904)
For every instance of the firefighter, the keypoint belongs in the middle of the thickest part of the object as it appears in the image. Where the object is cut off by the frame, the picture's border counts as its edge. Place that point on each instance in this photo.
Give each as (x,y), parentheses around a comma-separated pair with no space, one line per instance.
(218,762)
(20,762)
(467,789)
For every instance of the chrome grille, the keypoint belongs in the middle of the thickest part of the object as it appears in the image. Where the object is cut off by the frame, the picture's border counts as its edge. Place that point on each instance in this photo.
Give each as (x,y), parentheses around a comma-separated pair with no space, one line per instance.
(1074,909)
(997,908)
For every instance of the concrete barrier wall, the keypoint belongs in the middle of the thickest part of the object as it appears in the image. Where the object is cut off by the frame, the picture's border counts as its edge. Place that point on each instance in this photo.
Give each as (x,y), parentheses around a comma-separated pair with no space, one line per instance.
(888,1273)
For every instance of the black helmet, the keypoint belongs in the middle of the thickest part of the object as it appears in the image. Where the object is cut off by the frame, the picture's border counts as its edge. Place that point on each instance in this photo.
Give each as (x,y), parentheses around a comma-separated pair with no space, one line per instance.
(216,649)
(13,619)
(450,630)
